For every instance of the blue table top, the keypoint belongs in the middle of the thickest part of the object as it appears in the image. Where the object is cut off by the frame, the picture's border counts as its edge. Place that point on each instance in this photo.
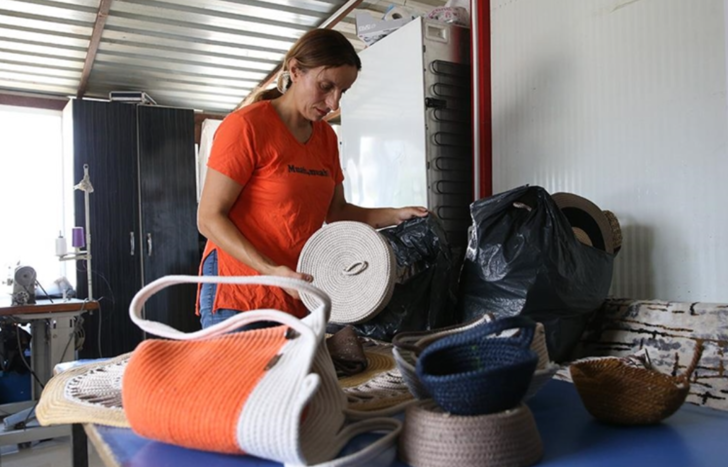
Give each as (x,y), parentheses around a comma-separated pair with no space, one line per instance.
(694,437)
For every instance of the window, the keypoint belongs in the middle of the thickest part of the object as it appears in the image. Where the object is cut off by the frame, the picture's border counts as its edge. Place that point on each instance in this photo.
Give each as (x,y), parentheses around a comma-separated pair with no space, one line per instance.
(33,189)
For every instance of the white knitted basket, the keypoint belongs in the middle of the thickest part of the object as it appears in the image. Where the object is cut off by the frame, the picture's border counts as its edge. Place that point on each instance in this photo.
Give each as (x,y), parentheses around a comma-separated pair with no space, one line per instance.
(354,265)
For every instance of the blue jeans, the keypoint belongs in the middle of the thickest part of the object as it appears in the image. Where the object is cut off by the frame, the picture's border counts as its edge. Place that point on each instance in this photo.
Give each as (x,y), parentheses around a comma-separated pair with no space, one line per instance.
(207,299)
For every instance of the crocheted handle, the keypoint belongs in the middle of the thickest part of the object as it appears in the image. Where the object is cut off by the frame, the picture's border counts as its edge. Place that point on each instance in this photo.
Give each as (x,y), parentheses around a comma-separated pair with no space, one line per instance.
(521,339)
(356,268)
(525,327)
(370,455)
(694,363)
(316,321)
(416,341)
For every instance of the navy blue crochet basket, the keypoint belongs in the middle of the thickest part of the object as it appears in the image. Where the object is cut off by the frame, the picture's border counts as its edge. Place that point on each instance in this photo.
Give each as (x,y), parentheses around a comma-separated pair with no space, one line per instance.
(477,373)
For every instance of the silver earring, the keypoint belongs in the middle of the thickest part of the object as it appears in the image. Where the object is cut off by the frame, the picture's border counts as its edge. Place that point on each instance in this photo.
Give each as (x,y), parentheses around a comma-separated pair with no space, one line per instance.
(283,82)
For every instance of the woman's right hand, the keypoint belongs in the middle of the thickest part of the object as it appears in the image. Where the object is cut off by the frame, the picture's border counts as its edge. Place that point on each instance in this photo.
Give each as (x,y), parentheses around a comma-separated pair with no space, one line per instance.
(285,271)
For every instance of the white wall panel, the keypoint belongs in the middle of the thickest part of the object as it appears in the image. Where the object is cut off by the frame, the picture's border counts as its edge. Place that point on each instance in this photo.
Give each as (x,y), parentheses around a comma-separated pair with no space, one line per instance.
(384,154)
(623,102)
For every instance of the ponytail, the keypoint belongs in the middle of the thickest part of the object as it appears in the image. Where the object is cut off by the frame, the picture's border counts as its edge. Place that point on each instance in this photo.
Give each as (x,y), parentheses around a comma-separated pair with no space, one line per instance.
(265,95)
(318,47)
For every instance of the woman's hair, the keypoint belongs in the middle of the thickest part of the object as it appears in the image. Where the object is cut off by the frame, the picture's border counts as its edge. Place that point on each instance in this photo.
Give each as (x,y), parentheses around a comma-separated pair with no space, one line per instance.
(318,47)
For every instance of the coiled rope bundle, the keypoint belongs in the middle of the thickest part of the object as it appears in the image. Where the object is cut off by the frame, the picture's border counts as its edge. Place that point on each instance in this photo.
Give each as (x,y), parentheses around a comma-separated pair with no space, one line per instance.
(354,265)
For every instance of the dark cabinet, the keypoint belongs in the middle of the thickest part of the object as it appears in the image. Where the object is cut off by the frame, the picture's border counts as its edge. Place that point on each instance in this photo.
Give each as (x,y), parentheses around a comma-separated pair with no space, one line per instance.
(142,165)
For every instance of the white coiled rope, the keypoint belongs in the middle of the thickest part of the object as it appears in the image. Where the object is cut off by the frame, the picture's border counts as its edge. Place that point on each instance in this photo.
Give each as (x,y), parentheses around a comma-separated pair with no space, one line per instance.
(354,265)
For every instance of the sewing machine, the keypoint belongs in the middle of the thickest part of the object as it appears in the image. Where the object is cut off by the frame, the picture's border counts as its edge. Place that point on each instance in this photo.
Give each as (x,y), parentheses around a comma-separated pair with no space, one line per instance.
(23,282)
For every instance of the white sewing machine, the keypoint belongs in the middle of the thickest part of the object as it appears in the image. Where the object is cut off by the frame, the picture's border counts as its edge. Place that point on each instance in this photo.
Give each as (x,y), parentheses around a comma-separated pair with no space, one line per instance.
(23,281)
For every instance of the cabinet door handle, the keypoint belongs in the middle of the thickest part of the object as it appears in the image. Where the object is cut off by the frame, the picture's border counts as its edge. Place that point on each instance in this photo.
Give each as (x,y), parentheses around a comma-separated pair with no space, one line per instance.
(132,243)
(149,244)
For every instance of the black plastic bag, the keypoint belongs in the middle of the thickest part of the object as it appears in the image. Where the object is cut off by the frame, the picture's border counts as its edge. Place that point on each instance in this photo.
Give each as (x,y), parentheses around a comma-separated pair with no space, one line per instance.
(523,258)
(424,295)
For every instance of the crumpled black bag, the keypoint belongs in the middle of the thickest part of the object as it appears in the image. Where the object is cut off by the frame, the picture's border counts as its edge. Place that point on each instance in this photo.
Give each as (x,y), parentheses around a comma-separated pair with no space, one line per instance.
(524,259)
(425,292)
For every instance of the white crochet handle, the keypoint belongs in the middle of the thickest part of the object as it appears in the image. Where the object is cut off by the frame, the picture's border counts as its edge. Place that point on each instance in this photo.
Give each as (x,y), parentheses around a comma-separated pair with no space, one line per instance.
(371,454)
(316,320)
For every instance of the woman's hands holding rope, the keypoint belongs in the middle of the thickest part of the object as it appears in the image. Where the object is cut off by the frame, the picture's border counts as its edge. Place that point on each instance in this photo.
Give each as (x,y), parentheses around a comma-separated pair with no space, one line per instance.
(285,271)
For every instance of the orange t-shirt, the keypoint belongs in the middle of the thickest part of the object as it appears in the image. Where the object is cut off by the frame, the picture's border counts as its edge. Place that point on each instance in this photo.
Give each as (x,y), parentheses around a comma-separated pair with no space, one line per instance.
(287,190)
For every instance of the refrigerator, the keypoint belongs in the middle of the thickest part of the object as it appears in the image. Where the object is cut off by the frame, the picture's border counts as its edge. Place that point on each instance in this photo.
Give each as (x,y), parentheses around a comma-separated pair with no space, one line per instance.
(406,125)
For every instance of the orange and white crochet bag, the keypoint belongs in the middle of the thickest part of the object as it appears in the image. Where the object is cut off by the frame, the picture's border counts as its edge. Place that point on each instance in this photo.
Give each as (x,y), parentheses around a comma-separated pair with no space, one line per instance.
(270,393)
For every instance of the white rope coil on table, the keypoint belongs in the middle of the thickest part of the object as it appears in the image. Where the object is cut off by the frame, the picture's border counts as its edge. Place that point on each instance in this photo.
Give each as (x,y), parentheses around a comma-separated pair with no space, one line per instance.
(354,265)
(434,438)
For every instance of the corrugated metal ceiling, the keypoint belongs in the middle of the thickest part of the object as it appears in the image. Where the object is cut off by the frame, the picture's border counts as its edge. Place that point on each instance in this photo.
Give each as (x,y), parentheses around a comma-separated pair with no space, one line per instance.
(201,54)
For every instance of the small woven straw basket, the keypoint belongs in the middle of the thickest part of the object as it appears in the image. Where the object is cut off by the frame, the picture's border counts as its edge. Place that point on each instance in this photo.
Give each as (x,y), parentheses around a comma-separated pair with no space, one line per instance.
(615,392)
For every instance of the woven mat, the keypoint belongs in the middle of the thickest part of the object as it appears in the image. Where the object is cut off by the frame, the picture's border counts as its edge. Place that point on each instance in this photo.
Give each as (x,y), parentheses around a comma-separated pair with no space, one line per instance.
(88,393)
(381,385)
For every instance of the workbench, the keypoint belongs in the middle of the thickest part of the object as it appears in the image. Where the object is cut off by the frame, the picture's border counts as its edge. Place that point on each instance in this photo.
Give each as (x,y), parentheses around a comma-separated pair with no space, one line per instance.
(52,329)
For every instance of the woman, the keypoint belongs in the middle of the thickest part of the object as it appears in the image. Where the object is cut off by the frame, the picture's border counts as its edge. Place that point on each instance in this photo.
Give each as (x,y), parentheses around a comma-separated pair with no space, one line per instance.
(274,177)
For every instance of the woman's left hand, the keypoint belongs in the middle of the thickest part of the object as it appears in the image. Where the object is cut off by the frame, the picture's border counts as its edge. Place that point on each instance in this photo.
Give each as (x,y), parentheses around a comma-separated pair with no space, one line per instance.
(409,212)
